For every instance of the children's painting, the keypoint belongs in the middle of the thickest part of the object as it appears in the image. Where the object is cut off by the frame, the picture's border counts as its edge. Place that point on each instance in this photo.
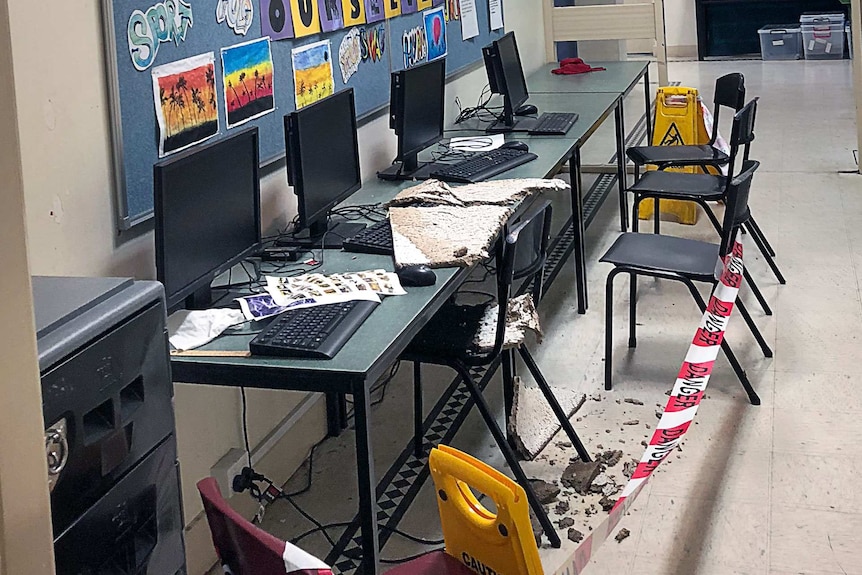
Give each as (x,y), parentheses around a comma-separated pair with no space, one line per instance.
(247,81)
(186,105)
(435,30)
(275,19)
(312,73)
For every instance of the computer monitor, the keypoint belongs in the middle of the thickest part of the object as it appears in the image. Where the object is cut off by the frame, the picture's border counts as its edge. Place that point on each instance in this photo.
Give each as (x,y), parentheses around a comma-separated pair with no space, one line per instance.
(323,167)
(416,114)
(207,215)
(506,77)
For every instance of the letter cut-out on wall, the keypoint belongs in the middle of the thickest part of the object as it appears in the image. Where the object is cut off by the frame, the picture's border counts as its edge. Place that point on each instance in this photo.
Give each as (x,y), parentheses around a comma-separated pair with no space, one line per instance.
(239,14)
(275,19)
(186,102)
(353,12)
(167,21)
(247,81)
(424,4)
(306,18)
(330,15)
(392,8)
(374,11)
(414,44)
(409,6)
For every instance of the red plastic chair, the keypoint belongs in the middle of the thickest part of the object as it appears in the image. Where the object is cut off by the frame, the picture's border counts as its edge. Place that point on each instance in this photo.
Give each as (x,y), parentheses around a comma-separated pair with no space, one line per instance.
(245,549)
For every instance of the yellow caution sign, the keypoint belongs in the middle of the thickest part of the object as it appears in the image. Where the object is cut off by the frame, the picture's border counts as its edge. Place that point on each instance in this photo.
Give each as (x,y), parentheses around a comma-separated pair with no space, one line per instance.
(678,122)
(486,542)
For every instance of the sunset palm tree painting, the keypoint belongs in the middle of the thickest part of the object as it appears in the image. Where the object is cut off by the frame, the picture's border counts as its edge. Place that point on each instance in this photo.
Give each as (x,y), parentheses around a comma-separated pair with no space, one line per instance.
(247,70)
(312,73)
(185,102)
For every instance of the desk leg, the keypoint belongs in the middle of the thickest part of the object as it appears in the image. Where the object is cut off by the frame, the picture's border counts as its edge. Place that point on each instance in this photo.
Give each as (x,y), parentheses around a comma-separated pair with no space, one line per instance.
(620,121)
(578,230)
(335,412)
(648,99)
(367,483)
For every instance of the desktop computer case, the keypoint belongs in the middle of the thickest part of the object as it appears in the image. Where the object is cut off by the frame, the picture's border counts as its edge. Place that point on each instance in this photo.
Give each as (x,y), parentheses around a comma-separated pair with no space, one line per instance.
(110,440)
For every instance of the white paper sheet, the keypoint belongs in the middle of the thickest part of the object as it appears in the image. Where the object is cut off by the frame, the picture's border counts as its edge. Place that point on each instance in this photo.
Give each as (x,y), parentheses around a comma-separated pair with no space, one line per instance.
(496,9)
(478,143)
(469,20)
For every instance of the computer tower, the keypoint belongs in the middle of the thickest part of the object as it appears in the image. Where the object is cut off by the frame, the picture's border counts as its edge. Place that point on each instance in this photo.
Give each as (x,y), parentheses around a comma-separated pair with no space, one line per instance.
(110,439)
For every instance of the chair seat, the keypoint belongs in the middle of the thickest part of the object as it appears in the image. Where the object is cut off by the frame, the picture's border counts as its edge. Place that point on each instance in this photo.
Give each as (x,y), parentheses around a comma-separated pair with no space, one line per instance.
(691,258)
(451,333)
(679,155)
(438,563)
(671,184)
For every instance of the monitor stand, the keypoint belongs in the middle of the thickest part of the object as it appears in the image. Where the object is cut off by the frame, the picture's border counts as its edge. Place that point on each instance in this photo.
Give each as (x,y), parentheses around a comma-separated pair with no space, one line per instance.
(409,169)
(516,124)
(326,234)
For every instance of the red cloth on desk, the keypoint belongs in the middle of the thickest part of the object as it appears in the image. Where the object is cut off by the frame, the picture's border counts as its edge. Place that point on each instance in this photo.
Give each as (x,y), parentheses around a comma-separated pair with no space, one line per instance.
(571,66)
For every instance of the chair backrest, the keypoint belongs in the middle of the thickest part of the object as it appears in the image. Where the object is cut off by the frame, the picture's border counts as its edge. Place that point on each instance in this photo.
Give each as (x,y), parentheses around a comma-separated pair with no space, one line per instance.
(730,93)
(521,254)
(637,21)
(246,549)
(484,540)
(736,210)
(742,134)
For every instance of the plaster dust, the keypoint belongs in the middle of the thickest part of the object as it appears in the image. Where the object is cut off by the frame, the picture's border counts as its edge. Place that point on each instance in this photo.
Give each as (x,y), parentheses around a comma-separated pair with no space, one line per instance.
(589,490)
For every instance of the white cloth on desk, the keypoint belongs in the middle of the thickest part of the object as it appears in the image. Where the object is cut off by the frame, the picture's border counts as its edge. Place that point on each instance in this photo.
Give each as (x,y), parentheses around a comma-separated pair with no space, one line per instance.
(192,329)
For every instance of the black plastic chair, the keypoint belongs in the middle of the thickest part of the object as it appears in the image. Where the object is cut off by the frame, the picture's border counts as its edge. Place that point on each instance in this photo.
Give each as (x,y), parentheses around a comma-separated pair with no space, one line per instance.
(704,188)
(684,260)
(729,93)
(449,340)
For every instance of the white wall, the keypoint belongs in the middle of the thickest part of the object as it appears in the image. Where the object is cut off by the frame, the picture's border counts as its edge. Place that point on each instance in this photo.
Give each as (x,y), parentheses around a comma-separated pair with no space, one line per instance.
(66,166)
(681,28)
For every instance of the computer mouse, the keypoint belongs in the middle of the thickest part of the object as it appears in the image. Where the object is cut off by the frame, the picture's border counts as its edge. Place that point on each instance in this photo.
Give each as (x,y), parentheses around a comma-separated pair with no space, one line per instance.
(516,145)
(417,276)
(527,110)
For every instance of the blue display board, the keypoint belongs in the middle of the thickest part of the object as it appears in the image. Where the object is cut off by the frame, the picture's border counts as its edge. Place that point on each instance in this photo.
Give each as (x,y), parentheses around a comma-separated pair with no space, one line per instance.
(177,44)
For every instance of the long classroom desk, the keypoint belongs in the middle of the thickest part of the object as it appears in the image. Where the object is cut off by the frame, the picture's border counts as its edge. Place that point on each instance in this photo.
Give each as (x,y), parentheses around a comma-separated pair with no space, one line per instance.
(386,333)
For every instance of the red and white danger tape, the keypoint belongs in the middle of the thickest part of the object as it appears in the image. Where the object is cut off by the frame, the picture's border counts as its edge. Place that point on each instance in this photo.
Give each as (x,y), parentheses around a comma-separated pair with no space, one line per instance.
(681,407)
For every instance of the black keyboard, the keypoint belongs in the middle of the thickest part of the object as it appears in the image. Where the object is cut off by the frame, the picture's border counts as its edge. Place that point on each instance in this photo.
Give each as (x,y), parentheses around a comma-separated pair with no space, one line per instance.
(314,332)
(554,123)
(483,165)
(375,239)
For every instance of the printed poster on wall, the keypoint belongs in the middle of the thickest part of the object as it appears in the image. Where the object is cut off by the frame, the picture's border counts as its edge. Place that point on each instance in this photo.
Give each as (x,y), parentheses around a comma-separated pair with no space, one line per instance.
(495,8)
(184,94)
(275,19)
(247,81)
(435,31)
(469,20)
(312,73)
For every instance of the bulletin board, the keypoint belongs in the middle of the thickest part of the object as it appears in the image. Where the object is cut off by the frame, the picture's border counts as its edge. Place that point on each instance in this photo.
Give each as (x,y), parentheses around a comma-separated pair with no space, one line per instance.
(184,72)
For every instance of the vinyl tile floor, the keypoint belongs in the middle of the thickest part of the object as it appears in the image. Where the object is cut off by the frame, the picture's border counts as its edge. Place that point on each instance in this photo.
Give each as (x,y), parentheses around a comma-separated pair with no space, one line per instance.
(767,490)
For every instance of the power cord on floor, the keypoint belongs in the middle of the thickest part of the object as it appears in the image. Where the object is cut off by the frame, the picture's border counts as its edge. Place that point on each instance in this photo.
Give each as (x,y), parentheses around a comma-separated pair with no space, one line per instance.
(393,530)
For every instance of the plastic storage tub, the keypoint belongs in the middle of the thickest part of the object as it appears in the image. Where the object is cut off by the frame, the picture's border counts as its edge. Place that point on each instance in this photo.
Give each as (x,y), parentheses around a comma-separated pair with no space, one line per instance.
(781,42)
(823,36)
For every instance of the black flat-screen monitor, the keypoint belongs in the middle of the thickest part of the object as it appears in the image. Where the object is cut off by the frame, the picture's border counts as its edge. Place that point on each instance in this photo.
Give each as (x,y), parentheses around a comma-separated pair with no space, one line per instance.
(323,164)
(416,110)
(207,215)
(506,76)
